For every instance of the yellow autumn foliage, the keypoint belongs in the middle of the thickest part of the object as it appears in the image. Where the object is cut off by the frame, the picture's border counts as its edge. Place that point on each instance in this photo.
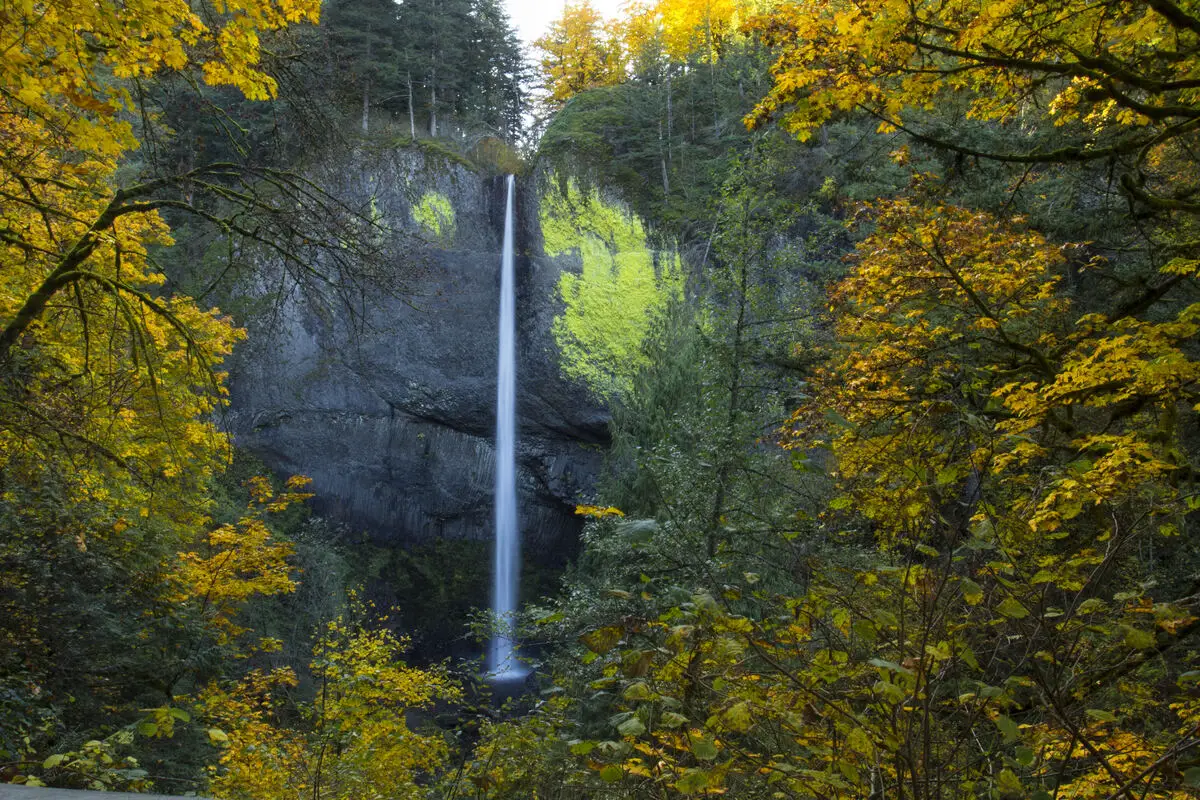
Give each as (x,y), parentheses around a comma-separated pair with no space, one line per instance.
(106,381)
(946,306)
(240,561)
(353,740)
(580,51)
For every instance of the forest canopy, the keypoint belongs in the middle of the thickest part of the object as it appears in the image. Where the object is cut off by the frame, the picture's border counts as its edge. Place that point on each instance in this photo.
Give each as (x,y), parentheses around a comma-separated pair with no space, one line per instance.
(903,471)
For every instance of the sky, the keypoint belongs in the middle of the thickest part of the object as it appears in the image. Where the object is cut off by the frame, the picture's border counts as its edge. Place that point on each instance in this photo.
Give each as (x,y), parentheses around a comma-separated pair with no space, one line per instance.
(532,17)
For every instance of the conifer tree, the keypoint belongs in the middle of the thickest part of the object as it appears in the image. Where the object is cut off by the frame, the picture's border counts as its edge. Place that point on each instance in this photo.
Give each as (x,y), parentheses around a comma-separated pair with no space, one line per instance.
(365,57)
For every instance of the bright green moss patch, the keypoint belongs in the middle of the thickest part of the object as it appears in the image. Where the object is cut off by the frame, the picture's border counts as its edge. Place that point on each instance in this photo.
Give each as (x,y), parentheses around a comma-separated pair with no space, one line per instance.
(435,214)
(612,303)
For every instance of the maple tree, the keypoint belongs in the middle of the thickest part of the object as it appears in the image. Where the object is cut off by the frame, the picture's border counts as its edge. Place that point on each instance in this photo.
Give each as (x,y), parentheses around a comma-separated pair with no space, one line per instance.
(686,27)
(996,613)
(99,367)
(579,52)
(355,740)
(1007,460)
(1115,80)
(241,560)
(109,384)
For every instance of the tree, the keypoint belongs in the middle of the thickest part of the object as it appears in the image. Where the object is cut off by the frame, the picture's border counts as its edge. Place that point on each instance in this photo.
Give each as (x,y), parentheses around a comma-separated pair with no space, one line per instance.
(497,72)
(1115,78)
(461,61)
(579,52)
(95,364)
(355,740)
(114,666)
(689,27)
(1011,463)
(110,385)
(437,35)
(364,50)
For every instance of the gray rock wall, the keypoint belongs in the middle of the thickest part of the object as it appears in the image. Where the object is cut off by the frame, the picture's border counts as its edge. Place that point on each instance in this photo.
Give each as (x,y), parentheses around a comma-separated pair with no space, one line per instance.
(390,410)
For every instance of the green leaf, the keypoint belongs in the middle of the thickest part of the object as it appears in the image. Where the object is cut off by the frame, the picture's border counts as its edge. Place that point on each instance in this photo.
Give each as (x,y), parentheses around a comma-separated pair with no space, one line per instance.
(1100,715)
(892,665)
(739,716)
(1011,607)
(864,630)
(704,749)
(181,715)
(632,727)
(53,761)
(580,747)
(612,773)
(890,691)
(946,476)
(601,640)
(968,655)
(1191,777)
(672,719)
(216,735)
(1008,729)
(694,780)
(1009,784)
(1138,639)
(939,652)
(638,691)
(1092,605)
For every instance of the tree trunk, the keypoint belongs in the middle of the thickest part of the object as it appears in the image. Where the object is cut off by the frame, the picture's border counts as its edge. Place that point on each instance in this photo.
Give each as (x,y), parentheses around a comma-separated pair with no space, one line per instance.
(412,115)
(433,106)
(670,115)
(662,160)
(367,88)
(366,103)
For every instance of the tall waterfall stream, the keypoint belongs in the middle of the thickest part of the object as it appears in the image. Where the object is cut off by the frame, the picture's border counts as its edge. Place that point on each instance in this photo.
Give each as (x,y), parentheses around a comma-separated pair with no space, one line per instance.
(502,664)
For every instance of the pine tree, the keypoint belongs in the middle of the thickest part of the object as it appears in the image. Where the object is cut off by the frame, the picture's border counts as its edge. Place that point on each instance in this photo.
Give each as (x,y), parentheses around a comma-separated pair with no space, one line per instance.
(498,71)
(364,56)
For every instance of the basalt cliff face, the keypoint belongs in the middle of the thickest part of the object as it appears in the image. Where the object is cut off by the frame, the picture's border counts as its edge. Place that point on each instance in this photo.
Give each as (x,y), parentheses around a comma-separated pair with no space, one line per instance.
(388,404)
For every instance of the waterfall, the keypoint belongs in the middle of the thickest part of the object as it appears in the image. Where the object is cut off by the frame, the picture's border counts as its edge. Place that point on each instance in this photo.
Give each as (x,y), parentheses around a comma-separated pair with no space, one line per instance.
(506,565)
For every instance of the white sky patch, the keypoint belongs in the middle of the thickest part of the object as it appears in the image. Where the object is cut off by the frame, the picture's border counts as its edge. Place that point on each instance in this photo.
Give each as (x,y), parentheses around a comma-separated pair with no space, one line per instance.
(532,17)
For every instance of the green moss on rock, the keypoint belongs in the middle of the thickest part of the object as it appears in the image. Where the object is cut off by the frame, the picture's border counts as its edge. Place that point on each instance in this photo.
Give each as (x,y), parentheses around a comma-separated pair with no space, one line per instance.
(610,306)
(435,215)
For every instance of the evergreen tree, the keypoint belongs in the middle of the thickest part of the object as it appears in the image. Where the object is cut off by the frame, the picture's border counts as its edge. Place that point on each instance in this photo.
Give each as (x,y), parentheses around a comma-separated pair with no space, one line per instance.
(365,59)
(435,42)
(460,59)
(497,71)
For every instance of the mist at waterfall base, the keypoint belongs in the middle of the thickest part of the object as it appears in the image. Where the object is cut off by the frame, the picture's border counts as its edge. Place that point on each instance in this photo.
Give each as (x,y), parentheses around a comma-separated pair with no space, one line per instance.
(502,663)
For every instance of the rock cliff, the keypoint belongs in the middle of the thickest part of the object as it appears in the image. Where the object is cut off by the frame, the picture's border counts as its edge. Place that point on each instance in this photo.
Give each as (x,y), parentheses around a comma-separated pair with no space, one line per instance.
(389,405)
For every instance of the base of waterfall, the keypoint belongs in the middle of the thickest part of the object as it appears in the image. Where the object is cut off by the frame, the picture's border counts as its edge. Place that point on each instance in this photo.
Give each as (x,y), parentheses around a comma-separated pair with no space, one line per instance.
(507,676)
(504,666)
